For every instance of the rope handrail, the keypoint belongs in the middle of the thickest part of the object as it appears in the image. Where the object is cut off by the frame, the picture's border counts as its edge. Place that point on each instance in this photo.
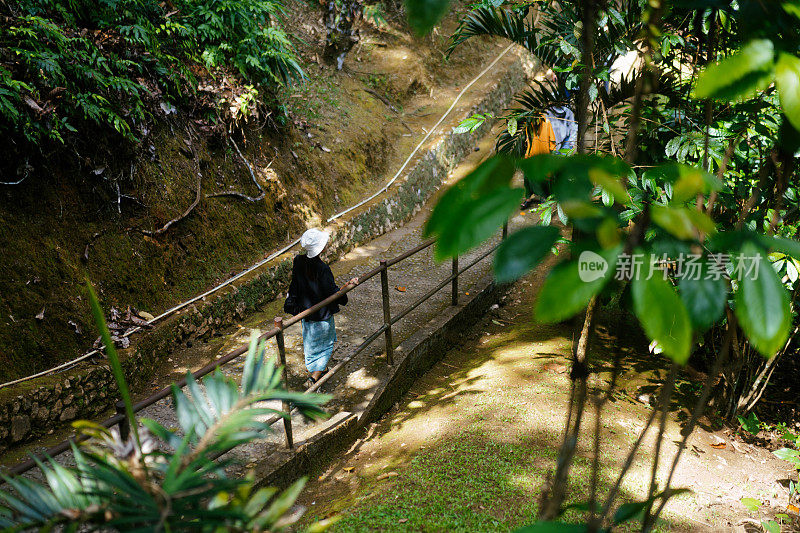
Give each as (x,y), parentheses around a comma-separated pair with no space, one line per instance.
(270,257)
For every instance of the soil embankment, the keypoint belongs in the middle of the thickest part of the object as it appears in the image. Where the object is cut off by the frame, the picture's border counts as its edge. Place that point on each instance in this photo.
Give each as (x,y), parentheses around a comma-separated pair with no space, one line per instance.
(342,133)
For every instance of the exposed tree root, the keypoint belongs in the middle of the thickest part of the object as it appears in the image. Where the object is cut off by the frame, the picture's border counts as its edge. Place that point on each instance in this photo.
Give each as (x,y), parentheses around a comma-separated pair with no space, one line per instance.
(186,213)
(174,221)
(238,194)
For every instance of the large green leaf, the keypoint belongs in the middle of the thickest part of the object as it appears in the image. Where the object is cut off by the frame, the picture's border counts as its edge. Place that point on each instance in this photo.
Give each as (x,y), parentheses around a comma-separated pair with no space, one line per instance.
(682,222)
(662,315)
(475,220)
(674,220)
(579,173)
(787,454)
(762,304)
(787,80)
(738,76)
(493,173)
(541,167)
(423,15)
(565,292)
(704,298)
(522,251)
(789,247)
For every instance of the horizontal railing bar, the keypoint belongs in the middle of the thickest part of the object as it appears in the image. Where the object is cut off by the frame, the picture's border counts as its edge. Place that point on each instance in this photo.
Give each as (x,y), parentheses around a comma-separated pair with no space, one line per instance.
(440,286)
(409,253)
(165,392)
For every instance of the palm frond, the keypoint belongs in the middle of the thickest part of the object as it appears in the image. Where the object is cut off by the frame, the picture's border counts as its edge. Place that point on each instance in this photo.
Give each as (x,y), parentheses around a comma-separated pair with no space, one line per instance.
(509,23)
(529,108)
(121,486)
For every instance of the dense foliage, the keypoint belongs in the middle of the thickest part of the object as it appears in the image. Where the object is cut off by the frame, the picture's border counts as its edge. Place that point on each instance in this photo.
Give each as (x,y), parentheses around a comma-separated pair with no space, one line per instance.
(67,66)
(682,197)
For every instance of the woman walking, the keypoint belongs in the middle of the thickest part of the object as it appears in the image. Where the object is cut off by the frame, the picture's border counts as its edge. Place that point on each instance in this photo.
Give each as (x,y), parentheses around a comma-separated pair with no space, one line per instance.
(312,282)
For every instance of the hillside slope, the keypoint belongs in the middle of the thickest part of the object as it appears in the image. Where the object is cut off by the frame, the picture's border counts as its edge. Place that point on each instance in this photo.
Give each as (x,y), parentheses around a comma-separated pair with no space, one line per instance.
(342,133)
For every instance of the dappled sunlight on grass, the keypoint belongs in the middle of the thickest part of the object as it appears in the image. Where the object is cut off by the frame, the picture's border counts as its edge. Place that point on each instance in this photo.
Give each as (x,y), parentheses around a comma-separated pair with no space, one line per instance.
(470,446)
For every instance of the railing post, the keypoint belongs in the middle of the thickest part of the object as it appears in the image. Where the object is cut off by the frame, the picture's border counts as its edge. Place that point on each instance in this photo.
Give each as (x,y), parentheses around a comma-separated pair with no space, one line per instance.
(124,424)
(287,422)
(387,317)
(505,229)
(455,281)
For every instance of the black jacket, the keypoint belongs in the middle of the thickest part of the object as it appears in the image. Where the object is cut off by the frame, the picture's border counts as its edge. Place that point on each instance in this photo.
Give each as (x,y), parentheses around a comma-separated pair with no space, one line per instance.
(312,282)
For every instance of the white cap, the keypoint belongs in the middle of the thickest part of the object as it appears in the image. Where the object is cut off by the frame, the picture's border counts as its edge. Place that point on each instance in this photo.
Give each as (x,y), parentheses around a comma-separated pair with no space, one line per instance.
(313,241)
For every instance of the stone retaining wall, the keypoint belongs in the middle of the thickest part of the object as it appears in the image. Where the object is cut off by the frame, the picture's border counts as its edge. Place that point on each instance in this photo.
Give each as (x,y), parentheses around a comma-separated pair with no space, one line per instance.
(31,409)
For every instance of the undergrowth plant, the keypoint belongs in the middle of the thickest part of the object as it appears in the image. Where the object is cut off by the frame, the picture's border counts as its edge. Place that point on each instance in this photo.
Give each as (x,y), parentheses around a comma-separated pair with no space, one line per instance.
(168,479)
(70,66)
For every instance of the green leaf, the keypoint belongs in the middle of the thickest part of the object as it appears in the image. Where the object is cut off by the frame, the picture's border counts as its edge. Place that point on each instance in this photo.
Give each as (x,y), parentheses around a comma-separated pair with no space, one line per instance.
(423,15)
(674,220)
(771,526)
(751,504)
(475,220)
(662,315)
(522,251)
(762,304)
(565,292)
(751,424)
(704,298)
(512,126)
(738,76)
(491,174)
(628,511)
(789,247)
(541,167)
(682,222)
(787,80)
(787,454)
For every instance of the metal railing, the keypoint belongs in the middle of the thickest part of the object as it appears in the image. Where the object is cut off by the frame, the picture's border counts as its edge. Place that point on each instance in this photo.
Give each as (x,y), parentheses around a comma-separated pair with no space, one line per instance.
(280,325)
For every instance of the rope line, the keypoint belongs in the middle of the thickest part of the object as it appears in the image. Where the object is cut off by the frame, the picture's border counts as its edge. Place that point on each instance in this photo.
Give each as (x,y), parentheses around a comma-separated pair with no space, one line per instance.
(283,250)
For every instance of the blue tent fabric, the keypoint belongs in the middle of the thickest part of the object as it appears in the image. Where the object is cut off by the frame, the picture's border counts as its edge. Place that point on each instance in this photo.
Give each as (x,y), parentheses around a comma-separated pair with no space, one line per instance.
(564,125)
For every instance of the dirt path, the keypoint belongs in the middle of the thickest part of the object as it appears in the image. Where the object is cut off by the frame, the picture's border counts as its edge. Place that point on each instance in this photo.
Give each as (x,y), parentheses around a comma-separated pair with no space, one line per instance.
(467,449)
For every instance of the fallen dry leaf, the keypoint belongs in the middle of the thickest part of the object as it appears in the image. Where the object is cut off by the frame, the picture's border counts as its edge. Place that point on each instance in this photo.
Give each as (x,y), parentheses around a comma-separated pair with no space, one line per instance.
(717,442)
(386,475)
(791,508)
(402,521)
(400,288)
